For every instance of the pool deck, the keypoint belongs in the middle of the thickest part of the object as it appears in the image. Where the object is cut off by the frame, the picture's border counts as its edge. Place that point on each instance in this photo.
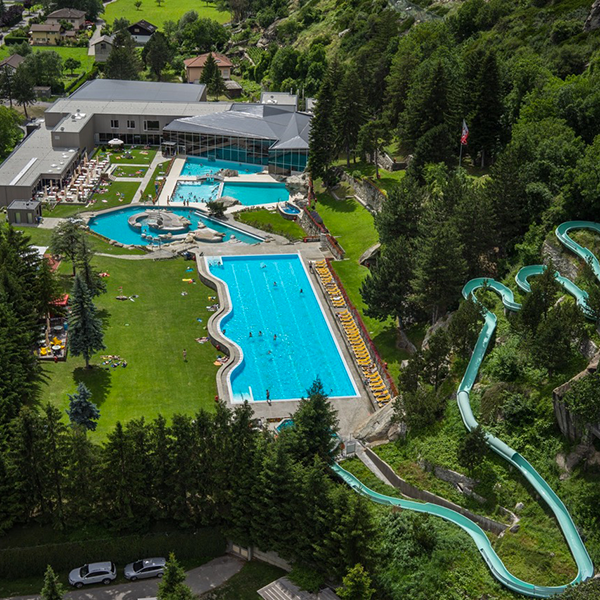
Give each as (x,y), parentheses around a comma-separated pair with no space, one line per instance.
(352,412)
(175,175)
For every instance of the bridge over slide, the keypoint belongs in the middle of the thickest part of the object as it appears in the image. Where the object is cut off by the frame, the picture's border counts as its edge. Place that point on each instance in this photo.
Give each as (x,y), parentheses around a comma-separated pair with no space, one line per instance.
(576,545)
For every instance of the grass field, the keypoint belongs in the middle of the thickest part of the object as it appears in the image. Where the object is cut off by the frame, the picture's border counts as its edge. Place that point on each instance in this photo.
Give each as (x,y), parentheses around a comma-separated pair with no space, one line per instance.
(150,333)
(159,171)
(387,179)
(244,585)
(62,210)
(80,54)
(129,171)
(272,222)
(157,15)
(138,156)
(352,225)
(117,193)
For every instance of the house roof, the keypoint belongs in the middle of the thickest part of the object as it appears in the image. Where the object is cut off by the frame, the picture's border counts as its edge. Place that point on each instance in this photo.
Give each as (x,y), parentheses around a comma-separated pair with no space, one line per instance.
(200,61)
(52,27)
(66,13)
(14,60)
(144,25)
(138,91)
(283,126)
(108,39)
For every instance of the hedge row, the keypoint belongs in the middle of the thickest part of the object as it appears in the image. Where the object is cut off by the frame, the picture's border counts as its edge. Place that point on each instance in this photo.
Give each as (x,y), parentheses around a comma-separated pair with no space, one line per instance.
(32,560)
(14,39)
(77,83)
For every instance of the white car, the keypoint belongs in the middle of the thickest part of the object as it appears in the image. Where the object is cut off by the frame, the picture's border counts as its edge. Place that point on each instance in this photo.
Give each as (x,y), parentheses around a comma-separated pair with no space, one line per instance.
(144,568)
(100,572)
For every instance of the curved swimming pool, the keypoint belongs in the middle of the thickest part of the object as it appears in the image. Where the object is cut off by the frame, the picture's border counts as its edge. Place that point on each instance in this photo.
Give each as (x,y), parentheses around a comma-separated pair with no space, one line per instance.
(115,226)
(278,323)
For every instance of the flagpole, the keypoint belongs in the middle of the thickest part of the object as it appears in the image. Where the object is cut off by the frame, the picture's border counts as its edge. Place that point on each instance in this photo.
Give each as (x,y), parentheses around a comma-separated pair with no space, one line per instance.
(460,155)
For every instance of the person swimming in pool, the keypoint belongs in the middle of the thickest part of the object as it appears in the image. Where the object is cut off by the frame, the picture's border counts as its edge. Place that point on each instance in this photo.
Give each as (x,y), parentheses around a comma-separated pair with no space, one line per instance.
(274,284)
(275,337)
(250,334)
(260,334)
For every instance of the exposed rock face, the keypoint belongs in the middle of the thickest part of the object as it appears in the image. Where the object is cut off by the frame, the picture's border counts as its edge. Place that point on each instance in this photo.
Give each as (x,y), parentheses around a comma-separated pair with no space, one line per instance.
(593,19)
(569,425)
(402,341)
(440,324)
(561,263)
(380,427)
(297,184)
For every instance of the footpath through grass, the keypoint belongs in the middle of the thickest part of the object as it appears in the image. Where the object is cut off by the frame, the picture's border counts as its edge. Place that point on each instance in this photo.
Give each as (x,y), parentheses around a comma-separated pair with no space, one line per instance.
(353,226)
(150,333)
(272,222)
(170,10)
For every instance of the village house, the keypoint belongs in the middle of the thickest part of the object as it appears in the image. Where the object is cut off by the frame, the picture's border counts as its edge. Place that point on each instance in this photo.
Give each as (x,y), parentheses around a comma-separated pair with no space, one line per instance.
(194,66)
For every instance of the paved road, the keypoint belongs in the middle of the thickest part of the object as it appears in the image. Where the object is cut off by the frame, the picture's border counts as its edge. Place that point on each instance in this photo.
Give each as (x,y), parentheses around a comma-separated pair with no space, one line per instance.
(201,580)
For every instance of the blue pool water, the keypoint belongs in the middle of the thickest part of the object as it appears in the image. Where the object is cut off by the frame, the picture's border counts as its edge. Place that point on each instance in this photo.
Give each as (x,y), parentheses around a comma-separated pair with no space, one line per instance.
(205,166)
(304,347)
(290,209)
(249,194)
(114,225)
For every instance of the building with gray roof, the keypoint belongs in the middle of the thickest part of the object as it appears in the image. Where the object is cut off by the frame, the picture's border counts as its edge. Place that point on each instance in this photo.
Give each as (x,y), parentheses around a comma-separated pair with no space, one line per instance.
(262,134)
(139,91)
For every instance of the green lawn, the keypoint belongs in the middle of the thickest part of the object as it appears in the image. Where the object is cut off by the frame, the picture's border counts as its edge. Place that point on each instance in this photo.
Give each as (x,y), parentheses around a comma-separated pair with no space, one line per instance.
(352,225)
(244,585)
(80,54)
(157,15)
(118,193)
(129,171)
(150,333)
(387,179)
(63,210)
(159,171)
(272,222)
(138,156)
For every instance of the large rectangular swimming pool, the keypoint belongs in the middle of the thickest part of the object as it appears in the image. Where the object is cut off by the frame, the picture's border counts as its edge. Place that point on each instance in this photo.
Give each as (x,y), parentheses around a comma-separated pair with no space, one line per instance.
(247,193)
(278,323)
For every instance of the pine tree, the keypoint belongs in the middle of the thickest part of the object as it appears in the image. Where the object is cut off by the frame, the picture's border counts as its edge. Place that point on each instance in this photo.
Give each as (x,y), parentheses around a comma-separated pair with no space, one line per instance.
(216,85)
(53,589)
(356,585)
(66,240)
(350,113)
(157,53)
(161,467)
(22,89)
(322,131)
(83,260)
(123,61)
(209,70)
(55,451)
(82,411)
(315,426)
(85,327)
(172,586)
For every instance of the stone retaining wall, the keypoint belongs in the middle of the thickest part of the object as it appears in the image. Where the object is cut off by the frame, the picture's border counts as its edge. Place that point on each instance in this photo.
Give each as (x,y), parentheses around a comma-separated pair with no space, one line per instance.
(366,192)
(411,491)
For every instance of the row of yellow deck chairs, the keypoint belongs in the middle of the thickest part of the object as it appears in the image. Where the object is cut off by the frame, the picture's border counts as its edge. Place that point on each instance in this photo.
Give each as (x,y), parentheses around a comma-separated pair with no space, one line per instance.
(331,287)
(363,358)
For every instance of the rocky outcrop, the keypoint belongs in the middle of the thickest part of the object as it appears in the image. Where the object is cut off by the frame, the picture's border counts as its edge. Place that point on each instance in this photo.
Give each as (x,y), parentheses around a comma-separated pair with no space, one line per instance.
(402,341)
(560,260)
(440,324)
(297,184)
(569,425)
(380,427)
(593,19)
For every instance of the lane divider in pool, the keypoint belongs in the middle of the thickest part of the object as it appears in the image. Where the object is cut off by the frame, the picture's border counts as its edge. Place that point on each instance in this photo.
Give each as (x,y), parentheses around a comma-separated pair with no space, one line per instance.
(585,567)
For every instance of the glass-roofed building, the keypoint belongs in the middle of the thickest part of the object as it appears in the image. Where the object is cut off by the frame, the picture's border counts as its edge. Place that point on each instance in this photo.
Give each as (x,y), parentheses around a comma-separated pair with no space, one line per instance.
(261,134)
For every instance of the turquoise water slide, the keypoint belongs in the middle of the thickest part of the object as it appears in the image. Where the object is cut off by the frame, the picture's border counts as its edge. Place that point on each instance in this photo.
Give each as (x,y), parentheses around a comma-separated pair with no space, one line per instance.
(576,545)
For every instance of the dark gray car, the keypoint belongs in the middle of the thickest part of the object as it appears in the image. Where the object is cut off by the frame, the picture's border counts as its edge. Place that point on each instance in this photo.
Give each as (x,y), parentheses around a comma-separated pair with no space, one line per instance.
(144,568)
(100,572)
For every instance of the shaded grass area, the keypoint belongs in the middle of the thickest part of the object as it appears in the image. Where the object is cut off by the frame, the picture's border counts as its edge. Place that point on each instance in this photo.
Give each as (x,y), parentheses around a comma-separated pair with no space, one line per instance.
(63,210)
(150,333)
(272,222)
(157,15)
(42,237)
(353,226)
(150,189)
(244,585)
(135,156)
(129,171)
(118,193)
(387,179)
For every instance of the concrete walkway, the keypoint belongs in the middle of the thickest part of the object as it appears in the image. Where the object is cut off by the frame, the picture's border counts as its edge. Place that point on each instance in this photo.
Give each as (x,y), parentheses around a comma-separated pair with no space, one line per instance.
(157,160)
(200,580)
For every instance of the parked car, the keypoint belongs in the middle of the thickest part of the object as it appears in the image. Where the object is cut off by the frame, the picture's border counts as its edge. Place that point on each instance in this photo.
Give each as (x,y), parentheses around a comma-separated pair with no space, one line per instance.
(100,572)
(144,568)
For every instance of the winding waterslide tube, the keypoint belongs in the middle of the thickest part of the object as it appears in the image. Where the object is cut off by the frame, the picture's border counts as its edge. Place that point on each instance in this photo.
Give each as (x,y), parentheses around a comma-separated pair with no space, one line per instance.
(576,545)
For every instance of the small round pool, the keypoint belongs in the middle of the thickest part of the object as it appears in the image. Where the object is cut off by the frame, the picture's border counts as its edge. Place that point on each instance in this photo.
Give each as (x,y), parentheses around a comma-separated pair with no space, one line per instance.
(115,225)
